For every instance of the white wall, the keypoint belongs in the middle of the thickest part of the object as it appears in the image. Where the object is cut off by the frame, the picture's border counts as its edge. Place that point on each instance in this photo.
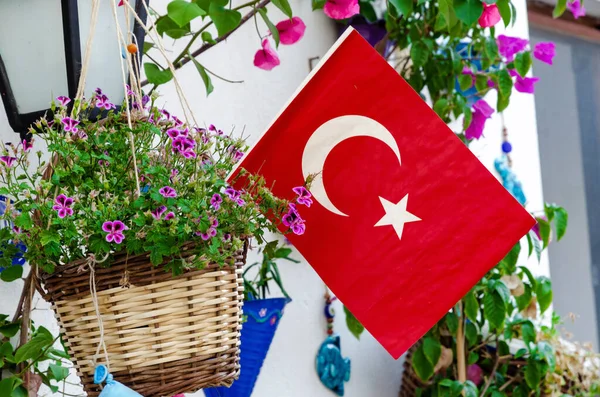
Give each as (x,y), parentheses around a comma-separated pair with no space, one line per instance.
(289,369)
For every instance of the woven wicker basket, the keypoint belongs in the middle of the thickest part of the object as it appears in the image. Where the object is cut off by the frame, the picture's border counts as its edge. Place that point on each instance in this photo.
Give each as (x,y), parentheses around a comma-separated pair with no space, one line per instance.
(164,335)
(410,380)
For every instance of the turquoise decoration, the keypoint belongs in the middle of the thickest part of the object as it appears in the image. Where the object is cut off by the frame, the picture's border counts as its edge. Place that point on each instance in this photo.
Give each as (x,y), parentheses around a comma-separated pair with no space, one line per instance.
(509,179)
(112,388)
(332,368)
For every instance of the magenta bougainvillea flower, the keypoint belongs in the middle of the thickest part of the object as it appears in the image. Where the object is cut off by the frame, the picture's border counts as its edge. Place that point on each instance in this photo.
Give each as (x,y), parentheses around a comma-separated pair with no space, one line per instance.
(304,196)
(341,9)
(167,192)
(62,205)
(70,125)
(524,84)
(63,100)
(509,46)
(576,8)
(474,373)
(216,201)
(490,16)
(158,213)
(481,112)
(115,231)
(266,58)
(291,30)
(545,52)
(8,160)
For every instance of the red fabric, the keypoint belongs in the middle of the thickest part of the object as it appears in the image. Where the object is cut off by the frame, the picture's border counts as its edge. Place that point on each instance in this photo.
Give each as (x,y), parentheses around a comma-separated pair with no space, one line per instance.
(397,288)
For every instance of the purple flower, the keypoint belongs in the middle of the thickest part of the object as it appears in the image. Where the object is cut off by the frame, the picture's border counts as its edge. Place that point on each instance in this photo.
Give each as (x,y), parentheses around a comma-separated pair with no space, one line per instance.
(214,222)
(170,215)
(129,92)
(293,220)
(27,145)
(174,173)
(212,128)
(167,192)
(145,100)
(481,112)
(98,91)
(103,102)
(63,205)
(524,84)
(545,52)
(226,237)
(237,155)
(63,100)
(70,125)
(211,232)
(173,133)
(115,231)
(475,374)
(80,135)
(298,228)
(157,213)
(576,8)
(177,121)
(8,160)
(240,201)
(509,46)
(166,114)
(184,146)
(304,196)
(232,193)
(17,230)
(216,201)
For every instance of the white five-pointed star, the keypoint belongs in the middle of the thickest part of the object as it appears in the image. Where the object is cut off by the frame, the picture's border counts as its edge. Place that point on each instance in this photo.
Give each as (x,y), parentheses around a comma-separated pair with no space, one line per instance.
(396,215)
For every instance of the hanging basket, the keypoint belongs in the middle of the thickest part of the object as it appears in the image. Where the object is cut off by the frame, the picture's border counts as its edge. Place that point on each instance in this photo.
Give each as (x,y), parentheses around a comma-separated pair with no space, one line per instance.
(164,335)
(410,380)
(262,318)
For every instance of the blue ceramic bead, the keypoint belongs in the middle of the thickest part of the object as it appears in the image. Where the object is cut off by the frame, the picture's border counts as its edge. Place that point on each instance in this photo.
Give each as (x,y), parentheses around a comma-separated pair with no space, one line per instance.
(506,147)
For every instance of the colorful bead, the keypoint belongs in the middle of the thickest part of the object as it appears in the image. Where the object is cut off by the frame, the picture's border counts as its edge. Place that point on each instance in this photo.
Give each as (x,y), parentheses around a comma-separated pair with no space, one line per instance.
(506,147)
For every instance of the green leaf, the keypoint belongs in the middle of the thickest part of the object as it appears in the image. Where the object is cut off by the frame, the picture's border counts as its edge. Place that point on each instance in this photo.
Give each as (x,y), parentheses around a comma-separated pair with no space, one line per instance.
(481,82)
(156,75)
(58,372)
(530,276)
(49,236)
(524,300)
(471,333)
(561,218)
(468,11)
(31,349)
(509,262)
(465,81)
(471,306)
(10,330)
(468,117)
(183,12)
(270,25)
(528,333)
(547,351)
(544,293)
(504,8)
(205,77)
(559,8)
(523,62)
(419,53)
(544,227)
(354,326)
(502,290)
(505,83)
(318,4)
(7,385)
(423,368)
(472,358)
(532,374)
(24,221)
(432,350)
(404,7)
(440,106)
(447,14)
(11,273)
(452,322)
(165,25)
(470,389)
(19,391)
(367,11)
(285,7)
(224,19)
(207,37)
(147,47)
(520,353)
(494,309)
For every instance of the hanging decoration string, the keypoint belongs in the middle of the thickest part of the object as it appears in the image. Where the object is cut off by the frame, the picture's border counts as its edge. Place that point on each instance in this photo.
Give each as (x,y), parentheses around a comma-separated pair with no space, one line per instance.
(88,51)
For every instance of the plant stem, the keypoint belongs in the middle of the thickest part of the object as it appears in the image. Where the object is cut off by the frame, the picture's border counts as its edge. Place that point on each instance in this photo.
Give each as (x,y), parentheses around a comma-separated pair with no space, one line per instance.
(180,61)
(492,375)
(460,345)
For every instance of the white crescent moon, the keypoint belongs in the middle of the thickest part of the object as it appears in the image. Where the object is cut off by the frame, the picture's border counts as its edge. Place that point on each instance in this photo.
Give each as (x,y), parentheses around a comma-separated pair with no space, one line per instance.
(326,137)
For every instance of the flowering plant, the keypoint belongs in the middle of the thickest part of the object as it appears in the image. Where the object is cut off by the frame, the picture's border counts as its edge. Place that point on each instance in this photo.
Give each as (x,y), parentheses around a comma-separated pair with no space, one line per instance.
(149,184)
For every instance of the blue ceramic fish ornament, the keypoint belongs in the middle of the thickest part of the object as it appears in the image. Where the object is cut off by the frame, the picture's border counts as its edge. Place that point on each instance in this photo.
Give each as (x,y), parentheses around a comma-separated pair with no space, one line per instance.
(509,179)
(332,368)
(112,388)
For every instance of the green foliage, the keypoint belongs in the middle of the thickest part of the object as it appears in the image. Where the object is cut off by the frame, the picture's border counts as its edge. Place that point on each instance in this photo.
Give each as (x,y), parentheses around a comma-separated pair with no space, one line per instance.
(258,276)
(354,326)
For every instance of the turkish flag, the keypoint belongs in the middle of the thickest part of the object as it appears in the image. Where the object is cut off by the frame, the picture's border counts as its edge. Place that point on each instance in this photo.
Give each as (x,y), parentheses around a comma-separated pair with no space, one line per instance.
(405,218)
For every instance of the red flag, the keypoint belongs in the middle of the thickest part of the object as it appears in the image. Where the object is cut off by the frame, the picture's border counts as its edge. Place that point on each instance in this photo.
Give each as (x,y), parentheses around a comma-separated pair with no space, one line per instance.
(406,219)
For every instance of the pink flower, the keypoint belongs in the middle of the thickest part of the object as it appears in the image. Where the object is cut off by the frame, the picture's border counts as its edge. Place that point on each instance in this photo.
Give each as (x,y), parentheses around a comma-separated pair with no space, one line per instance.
(266,58)
(167,192)
(8,160)
(481,112)
(184,146)
(509,46)
(115,231)
(545,52)
(490,16)
(341,9)
(293,220)
(27,145)
(524,84)
(304,196)
(576,8)
(63,205)
(63,100)
(170,215)
(157,213)
(104,103)
(216,201)
(70,125)
(474,374)
(121,5)
(291,30)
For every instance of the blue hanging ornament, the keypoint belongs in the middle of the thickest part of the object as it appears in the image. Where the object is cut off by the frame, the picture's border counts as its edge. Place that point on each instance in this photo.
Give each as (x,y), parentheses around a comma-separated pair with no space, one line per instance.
(112,388)
(333,369)
(503,167)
